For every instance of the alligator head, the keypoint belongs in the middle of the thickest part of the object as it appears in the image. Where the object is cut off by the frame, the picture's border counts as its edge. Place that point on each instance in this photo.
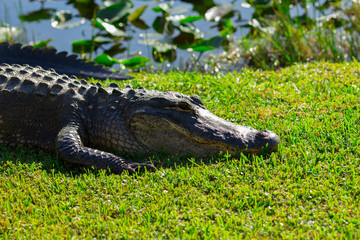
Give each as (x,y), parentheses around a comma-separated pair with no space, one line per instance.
(181,124)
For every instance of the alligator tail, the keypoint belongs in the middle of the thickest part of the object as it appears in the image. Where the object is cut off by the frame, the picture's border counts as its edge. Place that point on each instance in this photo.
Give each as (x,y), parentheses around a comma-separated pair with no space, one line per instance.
(61,62)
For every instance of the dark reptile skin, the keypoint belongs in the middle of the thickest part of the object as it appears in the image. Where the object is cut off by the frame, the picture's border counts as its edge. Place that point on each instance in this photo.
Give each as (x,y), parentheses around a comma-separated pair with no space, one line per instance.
(43,109)
(61,61)
(80,121)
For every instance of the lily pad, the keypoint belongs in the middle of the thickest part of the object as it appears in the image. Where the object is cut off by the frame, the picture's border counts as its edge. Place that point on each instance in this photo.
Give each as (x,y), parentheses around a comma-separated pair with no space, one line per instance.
(110,28)
(190,19)
(206,45)
(82,46)
(135,62)
(38,15)
(61,20)
(115,12)
(106,60)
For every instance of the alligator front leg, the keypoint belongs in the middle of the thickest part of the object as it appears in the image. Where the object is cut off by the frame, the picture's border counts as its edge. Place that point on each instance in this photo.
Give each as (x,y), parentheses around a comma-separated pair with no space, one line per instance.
(70,148)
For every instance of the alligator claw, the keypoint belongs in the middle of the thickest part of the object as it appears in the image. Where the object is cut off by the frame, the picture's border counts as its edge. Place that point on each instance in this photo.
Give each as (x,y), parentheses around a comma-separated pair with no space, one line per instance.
(142,166)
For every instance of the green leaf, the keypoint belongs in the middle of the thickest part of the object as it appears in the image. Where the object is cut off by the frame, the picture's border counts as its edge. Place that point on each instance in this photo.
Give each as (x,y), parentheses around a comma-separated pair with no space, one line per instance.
(42,43)
(228,30)
(184,40)
(135,62)
(202,48)
(83,1)
(62,18)
(137,13)
(115,12)
(110,28)
(191,19)
(160,23)
(82,46)
(140,24)
(106,60)
(164,7)
(45,13)
(206,45)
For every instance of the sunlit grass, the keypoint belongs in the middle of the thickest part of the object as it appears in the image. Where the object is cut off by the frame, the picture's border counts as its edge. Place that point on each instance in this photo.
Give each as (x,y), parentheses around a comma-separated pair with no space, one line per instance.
(308,189)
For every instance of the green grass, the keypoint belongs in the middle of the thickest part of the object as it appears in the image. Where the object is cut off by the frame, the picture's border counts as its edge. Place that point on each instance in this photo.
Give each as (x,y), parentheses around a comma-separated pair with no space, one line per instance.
(308,189)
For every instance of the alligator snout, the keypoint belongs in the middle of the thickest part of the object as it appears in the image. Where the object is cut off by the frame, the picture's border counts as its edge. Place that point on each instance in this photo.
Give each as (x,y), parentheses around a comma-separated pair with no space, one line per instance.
(266,140)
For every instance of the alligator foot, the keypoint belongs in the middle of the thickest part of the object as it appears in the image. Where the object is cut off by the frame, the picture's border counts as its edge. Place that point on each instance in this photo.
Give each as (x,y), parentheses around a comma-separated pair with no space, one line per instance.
(140,167)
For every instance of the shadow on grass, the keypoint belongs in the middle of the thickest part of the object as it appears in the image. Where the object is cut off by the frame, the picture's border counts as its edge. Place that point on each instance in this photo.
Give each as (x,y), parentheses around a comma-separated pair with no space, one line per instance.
(30,159)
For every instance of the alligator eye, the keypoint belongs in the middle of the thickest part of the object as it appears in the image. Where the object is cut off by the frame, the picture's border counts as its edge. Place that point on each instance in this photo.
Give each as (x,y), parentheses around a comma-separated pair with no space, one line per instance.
(184,106)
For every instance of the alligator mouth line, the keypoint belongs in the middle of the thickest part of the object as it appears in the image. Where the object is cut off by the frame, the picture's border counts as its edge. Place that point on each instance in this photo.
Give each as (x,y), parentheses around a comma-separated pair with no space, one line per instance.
(202,141)
(226,148)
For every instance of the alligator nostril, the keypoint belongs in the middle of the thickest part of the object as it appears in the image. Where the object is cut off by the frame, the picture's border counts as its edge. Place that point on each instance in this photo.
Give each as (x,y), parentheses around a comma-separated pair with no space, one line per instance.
(263,134)
(269,138)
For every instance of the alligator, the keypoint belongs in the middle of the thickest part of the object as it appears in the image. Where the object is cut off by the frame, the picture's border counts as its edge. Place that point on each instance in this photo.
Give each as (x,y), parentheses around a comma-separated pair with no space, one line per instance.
(82,121)
(61,61)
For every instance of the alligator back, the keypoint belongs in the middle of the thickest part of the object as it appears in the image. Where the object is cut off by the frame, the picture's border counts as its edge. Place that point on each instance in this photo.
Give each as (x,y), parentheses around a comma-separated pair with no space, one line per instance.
(49,58)
(30,102)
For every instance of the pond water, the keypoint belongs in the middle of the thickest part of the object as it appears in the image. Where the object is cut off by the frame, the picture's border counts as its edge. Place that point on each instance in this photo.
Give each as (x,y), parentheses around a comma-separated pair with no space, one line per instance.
(62,38)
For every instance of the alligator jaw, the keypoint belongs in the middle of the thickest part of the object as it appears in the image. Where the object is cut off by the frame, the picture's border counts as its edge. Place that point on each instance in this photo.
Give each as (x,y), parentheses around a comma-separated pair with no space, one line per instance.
(199,133)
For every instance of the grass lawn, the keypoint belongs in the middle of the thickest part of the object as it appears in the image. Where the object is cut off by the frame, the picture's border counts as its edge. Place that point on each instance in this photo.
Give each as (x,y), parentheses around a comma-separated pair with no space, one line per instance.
(308,189)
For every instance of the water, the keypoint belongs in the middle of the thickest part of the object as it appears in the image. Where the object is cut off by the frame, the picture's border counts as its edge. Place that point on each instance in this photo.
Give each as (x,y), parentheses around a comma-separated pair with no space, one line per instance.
(62,39)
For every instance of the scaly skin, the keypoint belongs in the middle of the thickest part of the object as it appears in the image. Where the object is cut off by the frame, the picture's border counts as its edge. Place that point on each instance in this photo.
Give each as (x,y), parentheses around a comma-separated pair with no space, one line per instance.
(79,121)
(63,63)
